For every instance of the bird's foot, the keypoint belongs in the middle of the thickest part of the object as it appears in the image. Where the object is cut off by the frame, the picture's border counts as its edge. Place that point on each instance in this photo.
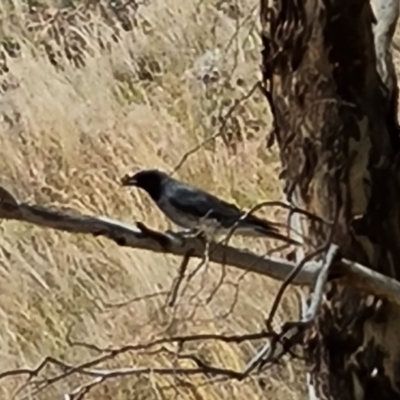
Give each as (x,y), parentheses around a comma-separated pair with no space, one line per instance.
(198,234)
(188,233)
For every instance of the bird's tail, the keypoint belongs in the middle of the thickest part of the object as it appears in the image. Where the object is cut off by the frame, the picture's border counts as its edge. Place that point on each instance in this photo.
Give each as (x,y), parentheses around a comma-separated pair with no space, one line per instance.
(264,228)
(279,236)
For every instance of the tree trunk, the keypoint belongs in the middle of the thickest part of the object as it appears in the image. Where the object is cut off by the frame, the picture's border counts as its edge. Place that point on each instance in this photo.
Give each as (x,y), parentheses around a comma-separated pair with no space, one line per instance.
(330,82)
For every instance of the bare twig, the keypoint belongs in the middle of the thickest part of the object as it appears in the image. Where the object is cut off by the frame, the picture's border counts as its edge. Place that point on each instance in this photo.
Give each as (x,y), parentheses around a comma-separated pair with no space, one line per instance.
(218,284)
(86,368)
(81,391)
(319,286)
(289,207)
(237,338)
(221,130)
(133,300)
(291,332)
(178,280)
(286,283)
(322,249)
(293,211)
(311,311)
(274,349)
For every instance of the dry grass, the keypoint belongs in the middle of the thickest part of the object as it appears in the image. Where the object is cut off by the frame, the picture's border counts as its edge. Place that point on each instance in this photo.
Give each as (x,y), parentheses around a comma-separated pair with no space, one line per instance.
(67,137)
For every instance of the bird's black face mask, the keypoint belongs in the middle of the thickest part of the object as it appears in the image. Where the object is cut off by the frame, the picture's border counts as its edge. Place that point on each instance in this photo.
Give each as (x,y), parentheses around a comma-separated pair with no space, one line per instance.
(149,181)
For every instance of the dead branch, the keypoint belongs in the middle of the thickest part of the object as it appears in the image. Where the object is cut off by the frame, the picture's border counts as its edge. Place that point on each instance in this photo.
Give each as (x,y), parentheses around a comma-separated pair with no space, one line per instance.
(273,351)
(316,297)
(180,340)
(36,384)
(100,375)
(291,332)
(160,293)
(325,248)
(143,238)
(286,283)
(178,280)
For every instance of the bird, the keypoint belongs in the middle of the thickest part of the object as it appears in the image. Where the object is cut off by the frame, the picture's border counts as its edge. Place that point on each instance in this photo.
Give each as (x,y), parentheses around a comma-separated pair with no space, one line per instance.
(194,209)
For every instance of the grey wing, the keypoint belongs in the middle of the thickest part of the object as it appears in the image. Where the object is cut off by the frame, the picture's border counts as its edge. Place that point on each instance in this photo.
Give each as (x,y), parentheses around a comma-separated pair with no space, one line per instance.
(200,204)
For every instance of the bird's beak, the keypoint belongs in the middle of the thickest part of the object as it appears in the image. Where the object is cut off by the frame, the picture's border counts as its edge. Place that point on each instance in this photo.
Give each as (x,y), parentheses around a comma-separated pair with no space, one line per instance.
(128,180)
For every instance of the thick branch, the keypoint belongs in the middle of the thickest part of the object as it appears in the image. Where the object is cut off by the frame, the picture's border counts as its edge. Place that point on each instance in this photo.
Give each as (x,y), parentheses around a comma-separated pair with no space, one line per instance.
(143,238)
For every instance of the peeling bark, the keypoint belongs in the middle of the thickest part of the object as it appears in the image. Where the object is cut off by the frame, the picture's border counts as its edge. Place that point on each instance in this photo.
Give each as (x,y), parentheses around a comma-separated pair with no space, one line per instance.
(330,82)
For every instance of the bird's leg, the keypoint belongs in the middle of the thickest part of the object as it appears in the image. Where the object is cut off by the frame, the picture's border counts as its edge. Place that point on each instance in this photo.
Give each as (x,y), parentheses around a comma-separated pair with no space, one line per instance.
(184,234)
(193,233)
(181,233)
(187,232)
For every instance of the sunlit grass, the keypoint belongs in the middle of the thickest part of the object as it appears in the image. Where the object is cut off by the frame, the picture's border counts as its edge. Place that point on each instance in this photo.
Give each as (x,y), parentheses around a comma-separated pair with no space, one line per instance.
(74,133)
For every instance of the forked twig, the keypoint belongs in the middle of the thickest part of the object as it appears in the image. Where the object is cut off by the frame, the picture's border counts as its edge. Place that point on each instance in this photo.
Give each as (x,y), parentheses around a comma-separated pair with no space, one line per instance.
(178,280)
(291,332)
(287,282)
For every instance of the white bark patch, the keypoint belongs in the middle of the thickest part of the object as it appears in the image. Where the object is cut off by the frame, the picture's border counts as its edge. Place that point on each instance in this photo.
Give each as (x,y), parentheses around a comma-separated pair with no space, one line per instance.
(357,387)
(386,13)
(312,393)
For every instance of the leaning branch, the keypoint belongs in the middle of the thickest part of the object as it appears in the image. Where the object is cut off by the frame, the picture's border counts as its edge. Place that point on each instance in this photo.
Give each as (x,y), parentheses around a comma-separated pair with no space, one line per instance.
(143,238)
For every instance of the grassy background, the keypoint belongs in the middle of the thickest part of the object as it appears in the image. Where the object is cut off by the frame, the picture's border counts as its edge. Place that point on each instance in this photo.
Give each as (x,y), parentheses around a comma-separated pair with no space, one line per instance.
(88,97)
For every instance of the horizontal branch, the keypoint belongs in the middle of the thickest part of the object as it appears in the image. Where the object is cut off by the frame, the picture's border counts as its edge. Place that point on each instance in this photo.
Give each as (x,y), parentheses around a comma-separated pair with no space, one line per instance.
(143,238)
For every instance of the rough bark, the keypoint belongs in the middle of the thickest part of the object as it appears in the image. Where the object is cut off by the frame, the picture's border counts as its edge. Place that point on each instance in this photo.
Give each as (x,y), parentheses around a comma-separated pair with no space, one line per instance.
(330,81)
